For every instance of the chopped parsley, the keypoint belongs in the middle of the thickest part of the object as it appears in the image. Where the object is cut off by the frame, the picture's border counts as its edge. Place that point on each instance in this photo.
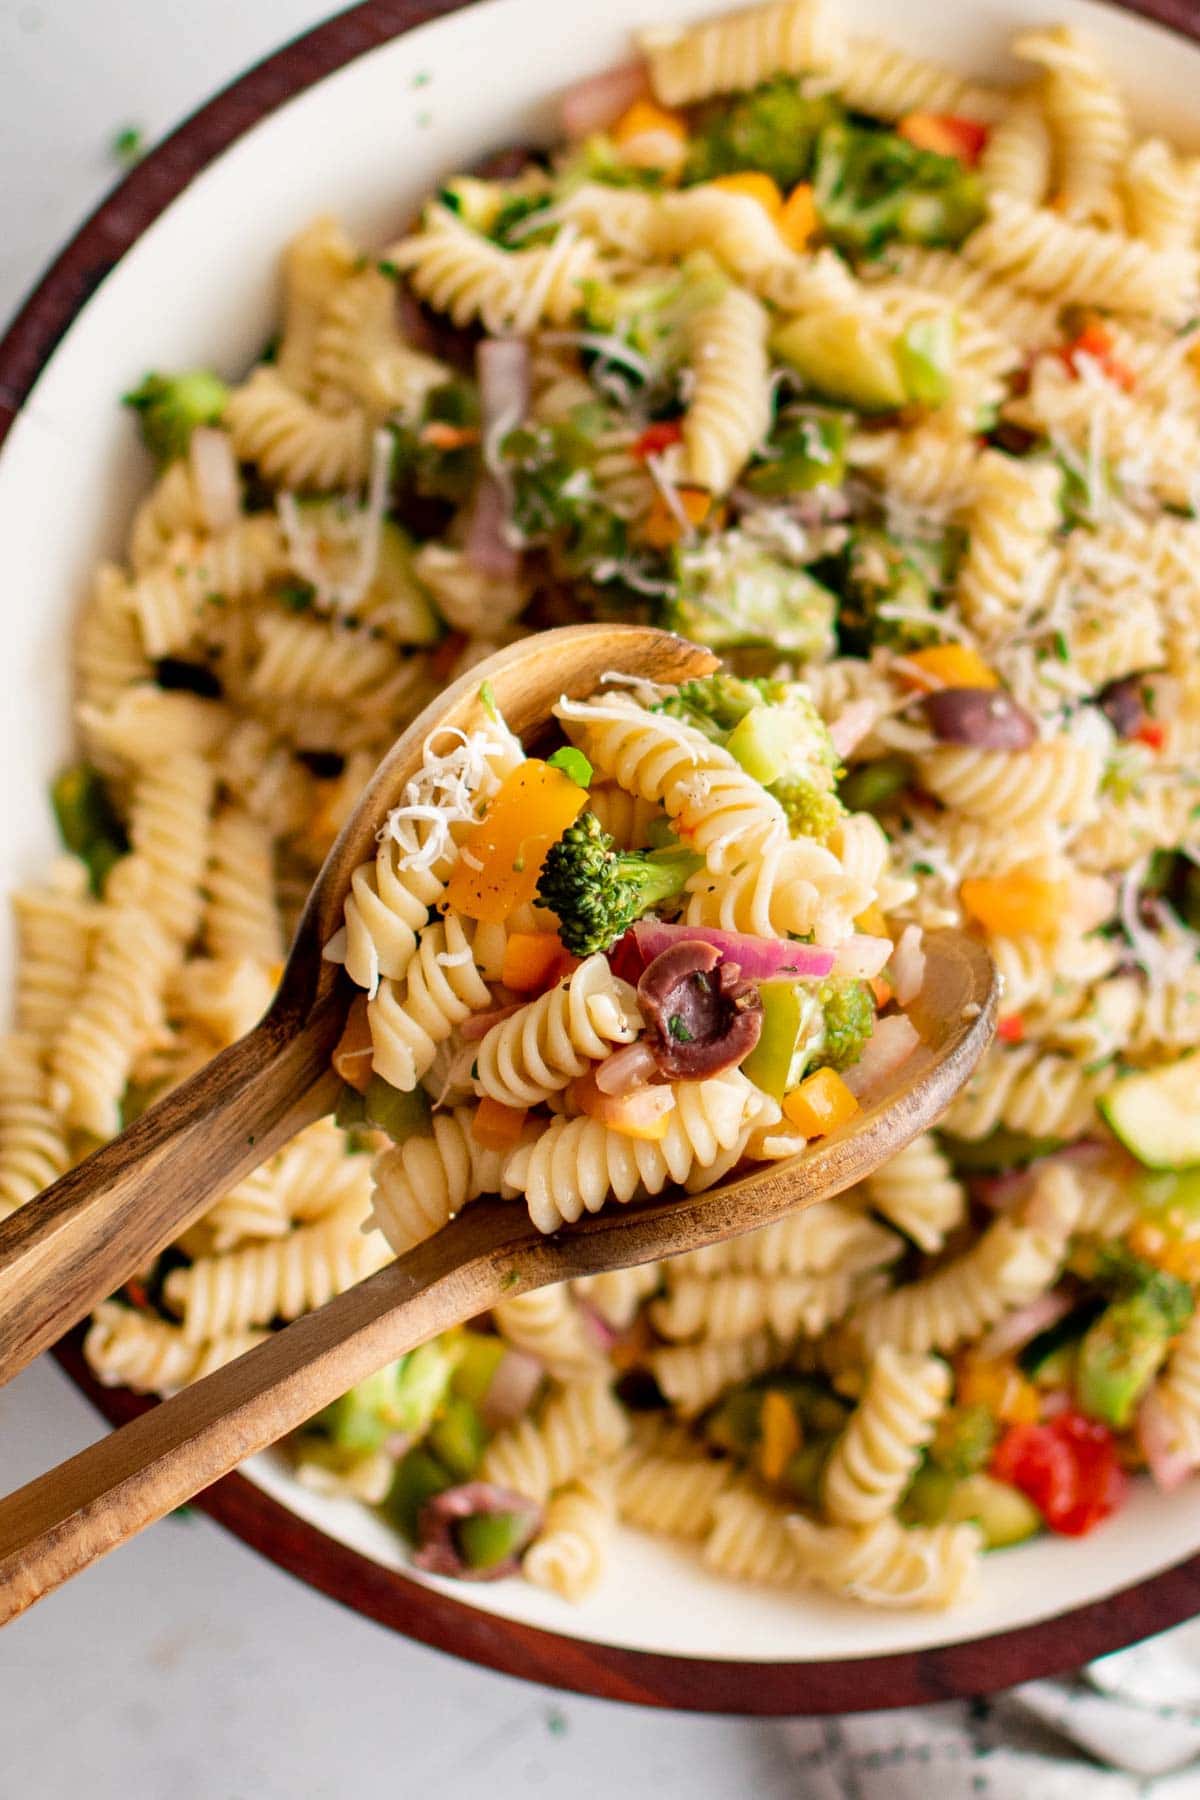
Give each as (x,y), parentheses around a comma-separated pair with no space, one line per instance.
(679,1030)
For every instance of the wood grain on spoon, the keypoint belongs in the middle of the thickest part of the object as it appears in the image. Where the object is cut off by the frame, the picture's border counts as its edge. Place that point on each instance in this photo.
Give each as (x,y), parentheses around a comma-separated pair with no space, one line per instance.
(83,1237)
(68,1518)
(76,1243)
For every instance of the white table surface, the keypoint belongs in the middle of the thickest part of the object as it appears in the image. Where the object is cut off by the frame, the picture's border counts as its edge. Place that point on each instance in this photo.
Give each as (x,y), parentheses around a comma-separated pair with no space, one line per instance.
(185,1666)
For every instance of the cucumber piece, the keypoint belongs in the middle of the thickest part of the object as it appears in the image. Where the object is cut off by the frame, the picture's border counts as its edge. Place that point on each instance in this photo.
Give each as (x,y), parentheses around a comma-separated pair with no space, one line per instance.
(486,1539)
(1155,1114)
(870,786)
(458,1438)
(1000,1151)
(925,357)
(927,1497)
(769,741)
(1118,1358)
(476,1367)
(842,358)
(419,1476)
(736,1425)
(1003,1513)
(805,1471)
(351,1109)
(400,1115)
(792,1033)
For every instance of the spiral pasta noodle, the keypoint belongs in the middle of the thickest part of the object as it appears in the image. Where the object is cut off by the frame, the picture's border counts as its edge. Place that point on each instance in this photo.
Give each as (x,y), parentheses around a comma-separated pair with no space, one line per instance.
(874,1458)
(421,1183)
(730,407)
(466,276)
(441,986)
(552,1040)
(578,1427)
(570,1553)
(888,1565)
(785,37)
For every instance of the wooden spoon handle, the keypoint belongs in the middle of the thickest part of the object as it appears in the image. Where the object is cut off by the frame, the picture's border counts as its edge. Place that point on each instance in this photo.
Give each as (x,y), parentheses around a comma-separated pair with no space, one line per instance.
(76,1243)
(71,1516)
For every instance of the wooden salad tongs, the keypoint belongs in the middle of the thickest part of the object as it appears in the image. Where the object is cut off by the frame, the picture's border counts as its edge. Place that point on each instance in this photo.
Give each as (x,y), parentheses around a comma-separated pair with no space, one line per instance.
(77,1242)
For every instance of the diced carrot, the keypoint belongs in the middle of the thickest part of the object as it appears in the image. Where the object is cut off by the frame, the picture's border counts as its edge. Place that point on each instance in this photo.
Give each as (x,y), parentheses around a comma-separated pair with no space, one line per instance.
(820,1104)
(1014,905)
(645,1113)
(497,1127)
(646,119)
(871,921)
(780,1435)
(1095,341)
(1011,1029)
(658,437)
(798,220)
(352,1058)
(500,859)
(441,435)
(534,961)
(755,186)
(946,133)
(882,989)
(946,666)
(663,525)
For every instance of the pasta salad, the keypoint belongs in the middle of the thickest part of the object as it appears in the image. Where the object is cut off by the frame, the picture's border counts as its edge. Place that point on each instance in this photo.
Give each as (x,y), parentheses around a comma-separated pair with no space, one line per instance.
(884,384)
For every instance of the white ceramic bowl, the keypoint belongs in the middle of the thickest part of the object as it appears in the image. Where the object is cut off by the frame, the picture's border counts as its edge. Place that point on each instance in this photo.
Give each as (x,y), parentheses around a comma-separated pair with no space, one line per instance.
(198,286)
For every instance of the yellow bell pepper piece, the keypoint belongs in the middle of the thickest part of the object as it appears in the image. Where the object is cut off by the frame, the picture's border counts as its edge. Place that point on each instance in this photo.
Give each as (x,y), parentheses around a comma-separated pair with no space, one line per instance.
(1015,905)
(755,186)
(500,860)
(645,119)
(780,1436)
(798,220)
(820,1104)
(998,1384)
(872,921)
(946,666)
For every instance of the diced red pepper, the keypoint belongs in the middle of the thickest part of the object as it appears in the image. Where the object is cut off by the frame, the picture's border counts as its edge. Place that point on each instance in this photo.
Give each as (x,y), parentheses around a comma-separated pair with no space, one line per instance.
(947,133)
(1068,1467)
(1095,341)
(658,437)
(1152,734)
(1011,1029)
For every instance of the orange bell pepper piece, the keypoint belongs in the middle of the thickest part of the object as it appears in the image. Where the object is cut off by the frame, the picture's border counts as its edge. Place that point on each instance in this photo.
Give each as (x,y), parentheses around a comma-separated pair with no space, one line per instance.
(663,526)
(998,1384)
(820,1104)
(500,859)
(645,1113)
(945,666)
(354,1053)
(1015,905)
(534,961)
(798,220)
(1096,342)
(755,186)
(496,1126)
(946,133)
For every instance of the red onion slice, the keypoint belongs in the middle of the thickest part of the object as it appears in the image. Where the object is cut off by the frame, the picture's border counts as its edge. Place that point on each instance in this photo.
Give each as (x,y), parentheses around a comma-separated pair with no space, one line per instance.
(214,469)
(860,957)
(760,959)
(598,102)
(512,1388)
(890,1044)
(852,725)
(502,366)
(627,1070)
(1018,1328)
(1158,1435)
(479,1024)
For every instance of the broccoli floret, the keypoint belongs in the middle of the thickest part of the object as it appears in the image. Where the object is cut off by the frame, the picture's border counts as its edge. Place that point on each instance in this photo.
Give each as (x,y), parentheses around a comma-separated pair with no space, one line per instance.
(169,408)
(811,811)
(650,317)
(964,1440)
(597,158)
(773,130)
(883,583)
(1119,1272)
(734,595)
(849,1021)
(806,450)
(873,186)
(714,704)
(598,890)
(555,500)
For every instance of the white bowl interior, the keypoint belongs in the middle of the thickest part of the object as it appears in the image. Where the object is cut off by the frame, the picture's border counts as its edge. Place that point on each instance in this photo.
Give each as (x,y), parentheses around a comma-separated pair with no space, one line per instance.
(199,287)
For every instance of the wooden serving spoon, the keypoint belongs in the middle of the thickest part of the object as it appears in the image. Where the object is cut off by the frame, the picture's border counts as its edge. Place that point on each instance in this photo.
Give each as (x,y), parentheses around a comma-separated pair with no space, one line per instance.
(79,1240)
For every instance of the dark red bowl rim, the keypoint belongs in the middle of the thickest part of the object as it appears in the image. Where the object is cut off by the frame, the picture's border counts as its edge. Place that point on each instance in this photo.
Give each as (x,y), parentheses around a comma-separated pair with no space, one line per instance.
(949,1671)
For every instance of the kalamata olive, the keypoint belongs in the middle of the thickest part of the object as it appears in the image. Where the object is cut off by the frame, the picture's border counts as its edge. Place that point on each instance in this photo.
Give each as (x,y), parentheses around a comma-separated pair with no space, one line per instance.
(1122,704)
(984,718)
(701,1017)
(506,164)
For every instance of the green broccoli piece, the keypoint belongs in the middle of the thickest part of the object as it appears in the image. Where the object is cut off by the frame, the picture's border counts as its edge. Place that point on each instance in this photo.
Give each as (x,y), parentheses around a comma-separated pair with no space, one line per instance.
(1123,1349)
(806,450)
(734,595)
(87,821)
(598,890)
(169,408)
(883,583)
(555,500)
(650,316)
(714,704)
(402,1397)
(597,158)
(811,811)
(849,1021)
(872,186)
(773,129)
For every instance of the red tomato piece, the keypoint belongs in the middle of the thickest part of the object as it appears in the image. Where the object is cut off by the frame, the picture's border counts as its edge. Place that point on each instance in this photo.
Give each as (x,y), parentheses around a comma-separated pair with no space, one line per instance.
(1068,1467)
(657,438)
(1011,1029)
(1153,735)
